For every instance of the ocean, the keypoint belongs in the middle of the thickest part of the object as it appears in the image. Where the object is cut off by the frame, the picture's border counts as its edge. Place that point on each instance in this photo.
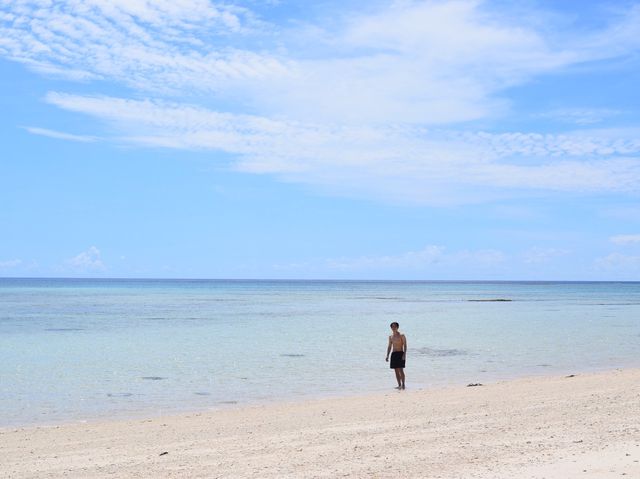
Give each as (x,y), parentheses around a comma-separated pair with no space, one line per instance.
(85,349)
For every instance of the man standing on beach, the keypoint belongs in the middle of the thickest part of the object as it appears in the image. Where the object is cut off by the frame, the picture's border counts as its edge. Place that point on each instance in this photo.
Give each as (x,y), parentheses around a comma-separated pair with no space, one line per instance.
(398,342)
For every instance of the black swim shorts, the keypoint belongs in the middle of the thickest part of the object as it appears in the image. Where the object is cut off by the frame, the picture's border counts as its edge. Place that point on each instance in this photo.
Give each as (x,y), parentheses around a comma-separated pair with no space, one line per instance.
(396,360)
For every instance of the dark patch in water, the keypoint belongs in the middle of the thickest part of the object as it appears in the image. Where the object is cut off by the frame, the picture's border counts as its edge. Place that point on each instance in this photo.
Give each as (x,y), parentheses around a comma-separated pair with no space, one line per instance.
(439,353)
(202,393)
(543,365)
(497,300)
(153,378)
(617,304)
(292,355)
(64,329)
(119,395)
(228,402)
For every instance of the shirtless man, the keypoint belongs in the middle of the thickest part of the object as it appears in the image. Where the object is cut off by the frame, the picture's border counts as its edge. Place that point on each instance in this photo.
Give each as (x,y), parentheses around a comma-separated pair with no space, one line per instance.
(398,342)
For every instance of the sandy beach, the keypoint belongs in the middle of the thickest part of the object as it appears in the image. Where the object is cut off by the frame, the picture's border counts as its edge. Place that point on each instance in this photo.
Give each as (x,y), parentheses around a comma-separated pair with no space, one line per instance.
(586,426)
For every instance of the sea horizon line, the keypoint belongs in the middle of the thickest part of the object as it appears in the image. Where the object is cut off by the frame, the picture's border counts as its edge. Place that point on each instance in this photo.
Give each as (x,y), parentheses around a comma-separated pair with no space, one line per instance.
(313,280)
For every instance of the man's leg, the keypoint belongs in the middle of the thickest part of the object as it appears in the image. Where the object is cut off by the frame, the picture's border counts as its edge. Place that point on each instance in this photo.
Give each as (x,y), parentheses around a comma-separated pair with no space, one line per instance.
(398,371)
(402,377)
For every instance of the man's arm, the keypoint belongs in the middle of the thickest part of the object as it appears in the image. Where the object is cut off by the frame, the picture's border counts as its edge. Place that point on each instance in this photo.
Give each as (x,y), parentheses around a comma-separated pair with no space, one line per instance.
(404,347)
(388,349)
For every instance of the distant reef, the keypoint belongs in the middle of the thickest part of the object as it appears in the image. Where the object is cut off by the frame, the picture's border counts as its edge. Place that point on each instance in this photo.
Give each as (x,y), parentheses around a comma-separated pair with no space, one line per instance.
(503,300)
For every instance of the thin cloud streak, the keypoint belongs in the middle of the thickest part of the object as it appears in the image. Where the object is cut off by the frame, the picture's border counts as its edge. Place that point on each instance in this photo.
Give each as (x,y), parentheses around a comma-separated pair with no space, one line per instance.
(60,135)
(625,239)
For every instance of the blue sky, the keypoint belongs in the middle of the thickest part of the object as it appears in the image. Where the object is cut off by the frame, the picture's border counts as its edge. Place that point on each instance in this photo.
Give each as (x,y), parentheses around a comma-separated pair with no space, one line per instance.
(275,139)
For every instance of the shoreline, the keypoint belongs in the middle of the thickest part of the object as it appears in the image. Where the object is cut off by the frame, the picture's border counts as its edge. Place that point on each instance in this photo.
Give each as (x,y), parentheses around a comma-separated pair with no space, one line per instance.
(154,412)
(527,427)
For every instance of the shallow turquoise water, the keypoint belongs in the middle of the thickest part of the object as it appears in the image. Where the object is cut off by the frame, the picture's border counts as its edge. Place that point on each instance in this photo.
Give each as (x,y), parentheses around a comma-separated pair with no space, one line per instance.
(84,349)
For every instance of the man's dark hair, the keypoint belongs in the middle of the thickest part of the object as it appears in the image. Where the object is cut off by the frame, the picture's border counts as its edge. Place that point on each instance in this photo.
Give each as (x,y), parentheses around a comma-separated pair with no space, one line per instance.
(397,325)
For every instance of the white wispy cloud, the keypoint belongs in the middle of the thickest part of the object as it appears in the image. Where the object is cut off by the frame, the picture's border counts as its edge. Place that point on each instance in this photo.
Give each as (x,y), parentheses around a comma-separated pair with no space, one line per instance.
(369,106)
(405,163)
(619,263)
(625,239)
(60,135)
(11,263)
(87,261)
(429,255)
(430,62)
(538,255)
(428,259)
(161,45)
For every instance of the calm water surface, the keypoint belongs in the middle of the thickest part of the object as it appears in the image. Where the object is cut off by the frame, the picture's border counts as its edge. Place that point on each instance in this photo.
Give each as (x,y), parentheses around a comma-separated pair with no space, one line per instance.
(85,349)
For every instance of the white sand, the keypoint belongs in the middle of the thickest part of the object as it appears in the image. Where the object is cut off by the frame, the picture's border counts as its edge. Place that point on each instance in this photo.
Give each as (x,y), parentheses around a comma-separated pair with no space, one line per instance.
(553,427)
